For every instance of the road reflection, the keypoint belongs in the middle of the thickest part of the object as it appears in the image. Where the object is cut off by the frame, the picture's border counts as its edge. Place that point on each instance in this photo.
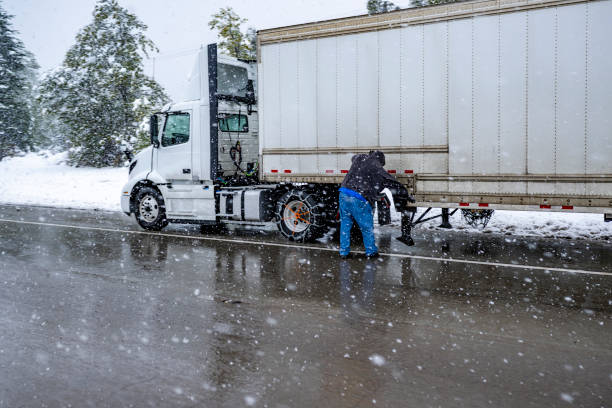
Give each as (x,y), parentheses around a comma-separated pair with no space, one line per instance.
(261,271)
(177,321)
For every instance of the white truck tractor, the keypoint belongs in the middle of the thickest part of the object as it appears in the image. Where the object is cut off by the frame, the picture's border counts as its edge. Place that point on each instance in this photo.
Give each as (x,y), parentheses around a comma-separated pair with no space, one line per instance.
(477,106)
(203,165)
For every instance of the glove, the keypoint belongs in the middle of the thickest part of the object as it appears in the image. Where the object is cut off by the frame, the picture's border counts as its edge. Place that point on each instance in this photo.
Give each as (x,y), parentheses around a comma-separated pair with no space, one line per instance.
(401,198)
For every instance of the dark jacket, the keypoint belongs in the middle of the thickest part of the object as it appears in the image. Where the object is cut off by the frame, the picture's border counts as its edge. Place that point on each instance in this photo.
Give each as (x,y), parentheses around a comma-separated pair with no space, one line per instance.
(368,177)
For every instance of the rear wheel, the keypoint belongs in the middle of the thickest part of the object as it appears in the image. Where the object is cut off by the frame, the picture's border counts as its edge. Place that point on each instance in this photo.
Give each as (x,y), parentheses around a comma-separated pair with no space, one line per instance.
(150,209)
(301,216)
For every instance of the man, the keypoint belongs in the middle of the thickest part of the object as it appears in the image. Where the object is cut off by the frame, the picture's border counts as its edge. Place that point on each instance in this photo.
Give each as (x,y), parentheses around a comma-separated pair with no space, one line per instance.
(361,187)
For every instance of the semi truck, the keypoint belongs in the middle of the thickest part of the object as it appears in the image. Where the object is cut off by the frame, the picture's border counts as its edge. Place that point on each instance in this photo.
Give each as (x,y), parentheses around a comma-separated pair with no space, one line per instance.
(479,105)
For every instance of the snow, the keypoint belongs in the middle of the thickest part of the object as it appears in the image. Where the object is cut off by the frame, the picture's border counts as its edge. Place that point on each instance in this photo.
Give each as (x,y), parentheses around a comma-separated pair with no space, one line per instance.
(566,225)
(533,223)
(43,179)
(377,360)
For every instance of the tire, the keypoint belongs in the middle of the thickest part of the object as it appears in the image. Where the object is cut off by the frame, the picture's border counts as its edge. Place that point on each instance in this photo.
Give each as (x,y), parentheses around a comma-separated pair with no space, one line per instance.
(301,216)
(150,209)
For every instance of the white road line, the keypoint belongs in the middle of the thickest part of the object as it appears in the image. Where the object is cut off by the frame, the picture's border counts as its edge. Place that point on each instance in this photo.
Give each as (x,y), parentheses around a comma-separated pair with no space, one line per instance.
(309,247)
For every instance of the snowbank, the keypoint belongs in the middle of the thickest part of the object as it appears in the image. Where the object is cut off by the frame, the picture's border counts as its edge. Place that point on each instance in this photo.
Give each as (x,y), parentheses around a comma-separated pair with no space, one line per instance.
(531,223)
(525,223)
(42,179)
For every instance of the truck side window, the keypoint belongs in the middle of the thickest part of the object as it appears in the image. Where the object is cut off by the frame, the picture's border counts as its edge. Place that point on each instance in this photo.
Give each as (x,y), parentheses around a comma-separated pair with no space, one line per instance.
(176,129)
(233,123)
(232,80)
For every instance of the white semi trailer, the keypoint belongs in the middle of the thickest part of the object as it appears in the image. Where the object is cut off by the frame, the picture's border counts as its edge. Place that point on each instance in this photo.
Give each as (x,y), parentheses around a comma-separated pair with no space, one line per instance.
(503,104)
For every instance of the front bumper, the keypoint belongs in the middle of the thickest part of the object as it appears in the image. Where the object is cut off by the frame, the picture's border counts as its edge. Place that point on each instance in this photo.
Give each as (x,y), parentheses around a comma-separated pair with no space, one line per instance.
(125,201)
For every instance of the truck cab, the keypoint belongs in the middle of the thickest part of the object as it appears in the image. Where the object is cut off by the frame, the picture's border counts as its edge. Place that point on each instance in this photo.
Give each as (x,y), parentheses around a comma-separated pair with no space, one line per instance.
(209,139)
(203,163)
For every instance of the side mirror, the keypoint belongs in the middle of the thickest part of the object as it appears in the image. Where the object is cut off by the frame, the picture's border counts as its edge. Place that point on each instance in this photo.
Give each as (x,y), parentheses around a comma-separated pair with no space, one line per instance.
(128,154)
(250,92)
(154,130)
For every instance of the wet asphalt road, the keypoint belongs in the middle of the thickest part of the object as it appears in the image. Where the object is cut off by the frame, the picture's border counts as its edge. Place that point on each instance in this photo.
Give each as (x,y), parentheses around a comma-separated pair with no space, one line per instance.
(93,312)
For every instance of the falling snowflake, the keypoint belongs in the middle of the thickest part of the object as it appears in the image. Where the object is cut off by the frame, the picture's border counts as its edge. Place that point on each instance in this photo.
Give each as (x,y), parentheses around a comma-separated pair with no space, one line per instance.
(377,360)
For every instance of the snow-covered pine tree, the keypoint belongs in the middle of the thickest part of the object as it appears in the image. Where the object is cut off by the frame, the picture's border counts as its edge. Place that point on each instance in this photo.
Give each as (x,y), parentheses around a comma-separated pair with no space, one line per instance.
(233,41)
(47,131)
(252,40)
(100,94)
(17,70)
(380,6)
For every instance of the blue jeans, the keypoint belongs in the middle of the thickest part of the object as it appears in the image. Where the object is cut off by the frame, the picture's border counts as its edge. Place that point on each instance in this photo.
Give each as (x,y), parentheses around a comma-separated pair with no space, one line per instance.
(354,209)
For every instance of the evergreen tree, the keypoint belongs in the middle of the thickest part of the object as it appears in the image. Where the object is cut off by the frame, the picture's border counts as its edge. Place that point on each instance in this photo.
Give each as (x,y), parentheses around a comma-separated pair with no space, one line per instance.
(100,94)
(380,6)
(252,40)
(17,70)
(233,41)
(47,131)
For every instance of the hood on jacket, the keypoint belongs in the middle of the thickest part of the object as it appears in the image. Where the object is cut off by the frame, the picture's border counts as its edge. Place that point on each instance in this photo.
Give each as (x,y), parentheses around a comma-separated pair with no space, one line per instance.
(380,156)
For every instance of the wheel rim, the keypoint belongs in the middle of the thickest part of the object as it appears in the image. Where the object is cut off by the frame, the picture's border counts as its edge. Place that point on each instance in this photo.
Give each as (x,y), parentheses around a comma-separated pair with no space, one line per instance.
(149,208)
(296,217)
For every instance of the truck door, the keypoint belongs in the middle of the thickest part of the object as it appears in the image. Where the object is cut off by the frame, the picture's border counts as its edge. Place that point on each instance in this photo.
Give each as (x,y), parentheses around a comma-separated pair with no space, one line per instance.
(174,153)
(185,199)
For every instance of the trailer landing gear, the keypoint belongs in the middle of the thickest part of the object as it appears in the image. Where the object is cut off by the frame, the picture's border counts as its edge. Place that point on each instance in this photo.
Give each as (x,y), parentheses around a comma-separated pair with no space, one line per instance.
(408,222)
(407,218)
(445,219)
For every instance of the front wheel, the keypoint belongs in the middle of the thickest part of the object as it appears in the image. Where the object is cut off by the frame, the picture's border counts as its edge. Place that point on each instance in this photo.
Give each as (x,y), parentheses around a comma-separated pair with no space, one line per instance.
(150,209)
(301,216)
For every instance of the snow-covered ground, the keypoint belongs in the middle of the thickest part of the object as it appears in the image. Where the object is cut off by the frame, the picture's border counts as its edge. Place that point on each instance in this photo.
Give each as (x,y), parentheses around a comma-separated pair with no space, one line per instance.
(42,179)
(531,223)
